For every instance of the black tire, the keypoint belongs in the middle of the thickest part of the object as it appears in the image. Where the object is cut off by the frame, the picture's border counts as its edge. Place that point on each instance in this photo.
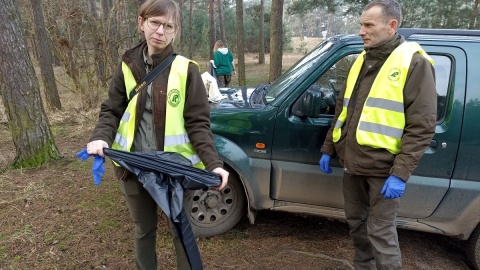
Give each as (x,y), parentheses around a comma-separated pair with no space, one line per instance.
(213,212)
(473,248)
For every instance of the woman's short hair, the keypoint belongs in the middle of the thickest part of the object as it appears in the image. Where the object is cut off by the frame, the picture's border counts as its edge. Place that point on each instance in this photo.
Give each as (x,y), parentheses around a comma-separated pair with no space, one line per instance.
(153,8)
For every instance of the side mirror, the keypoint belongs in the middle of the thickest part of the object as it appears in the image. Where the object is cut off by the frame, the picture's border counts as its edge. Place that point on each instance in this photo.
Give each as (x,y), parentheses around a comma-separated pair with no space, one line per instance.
(309,104)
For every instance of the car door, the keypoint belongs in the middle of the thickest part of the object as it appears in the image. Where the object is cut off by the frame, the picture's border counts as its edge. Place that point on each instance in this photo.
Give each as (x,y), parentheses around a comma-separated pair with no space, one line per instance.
(297,141)
(431,179)
(296,176)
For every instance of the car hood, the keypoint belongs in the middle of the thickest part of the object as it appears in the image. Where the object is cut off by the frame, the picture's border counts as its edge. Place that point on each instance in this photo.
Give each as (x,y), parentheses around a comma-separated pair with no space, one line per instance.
(235,98)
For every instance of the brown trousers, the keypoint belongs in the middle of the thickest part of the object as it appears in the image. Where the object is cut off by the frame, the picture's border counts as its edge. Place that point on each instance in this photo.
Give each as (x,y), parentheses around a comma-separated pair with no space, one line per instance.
(224,80)
(372,222)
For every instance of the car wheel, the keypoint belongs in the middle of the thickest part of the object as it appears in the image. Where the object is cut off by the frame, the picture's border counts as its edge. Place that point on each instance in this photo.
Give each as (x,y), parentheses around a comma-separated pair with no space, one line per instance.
(473,248)
(213,212)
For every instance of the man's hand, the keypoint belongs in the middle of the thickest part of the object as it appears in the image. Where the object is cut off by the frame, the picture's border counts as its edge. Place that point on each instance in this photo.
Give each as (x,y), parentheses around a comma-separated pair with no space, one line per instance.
(325,164)
(224,174)
(393,187)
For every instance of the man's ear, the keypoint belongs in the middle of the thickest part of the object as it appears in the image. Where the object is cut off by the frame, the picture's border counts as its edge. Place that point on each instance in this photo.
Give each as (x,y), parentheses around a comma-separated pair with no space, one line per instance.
(393,26)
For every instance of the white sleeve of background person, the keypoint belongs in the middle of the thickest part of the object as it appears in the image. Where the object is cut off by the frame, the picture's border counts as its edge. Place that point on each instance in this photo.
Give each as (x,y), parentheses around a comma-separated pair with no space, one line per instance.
(211,86)
(213,63)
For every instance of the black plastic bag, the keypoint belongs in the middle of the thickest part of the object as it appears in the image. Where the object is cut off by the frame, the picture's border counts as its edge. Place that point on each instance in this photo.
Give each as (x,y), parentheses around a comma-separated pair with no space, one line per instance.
(165,175)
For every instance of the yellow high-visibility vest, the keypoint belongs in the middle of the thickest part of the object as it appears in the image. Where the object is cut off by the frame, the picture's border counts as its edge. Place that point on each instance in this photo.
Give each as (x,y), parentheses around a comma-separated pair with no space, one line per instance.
(382,120)
(176,138)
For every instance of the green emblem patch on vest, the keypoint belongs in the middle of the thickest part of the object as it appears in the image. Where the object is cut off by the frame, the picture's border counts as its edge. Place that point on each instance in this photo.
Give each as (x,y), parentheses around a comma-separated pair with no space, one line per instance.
(394,74)
(174,97)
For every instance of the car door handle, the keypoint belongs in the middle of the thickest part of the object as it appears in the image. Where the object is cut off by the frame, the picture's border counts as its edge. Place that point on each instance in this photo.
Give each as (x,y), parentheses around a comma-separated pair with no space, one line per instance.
(433,144)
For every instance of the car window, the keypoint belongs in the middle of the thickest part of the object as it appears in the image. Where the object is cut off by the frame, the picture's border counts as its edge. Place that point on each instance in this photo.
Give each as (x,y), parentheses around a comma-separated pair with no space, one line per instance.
(443,67)
(297,72)
(332,81)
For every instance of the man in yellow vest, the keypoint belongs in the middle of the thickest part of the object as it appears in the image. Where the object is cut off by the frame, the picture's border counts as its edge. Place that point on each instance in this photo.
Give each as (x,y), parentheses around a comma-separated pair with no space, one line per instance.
(171,114)
(384,120)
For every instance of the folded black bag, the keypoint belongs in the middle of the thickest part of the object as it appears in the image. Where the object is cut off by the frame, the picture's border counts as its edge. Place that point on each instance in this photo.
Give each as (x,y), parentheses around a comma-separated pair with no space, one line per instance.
(165,175)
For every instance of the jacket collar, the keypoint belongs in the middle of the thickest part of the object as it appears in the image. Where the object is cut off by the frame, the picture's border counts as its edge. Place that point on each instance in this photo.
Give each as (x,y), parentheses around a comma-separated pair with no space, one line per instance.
(159,57)
(134,58)
(383,50)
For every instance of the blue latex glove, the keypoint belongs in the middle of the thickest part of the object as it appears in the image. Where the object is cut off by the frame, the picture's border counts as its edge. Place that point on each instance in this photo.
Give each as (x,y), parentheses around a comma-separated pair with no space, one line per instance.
(325,164)
(393,187)
(97,167)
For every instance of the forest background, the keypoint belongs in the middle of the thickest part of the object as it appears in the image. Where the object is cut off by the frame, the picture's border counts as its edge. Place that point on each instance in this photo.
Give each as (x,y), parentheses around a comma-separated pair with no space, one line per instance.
(85,39)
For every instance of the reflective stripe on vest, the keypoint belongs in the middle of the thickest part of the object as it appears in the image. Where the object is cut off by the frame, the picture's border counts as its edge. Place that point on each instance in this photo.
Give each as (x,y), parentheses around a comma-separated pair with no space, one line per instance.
(176,138)
(382,120)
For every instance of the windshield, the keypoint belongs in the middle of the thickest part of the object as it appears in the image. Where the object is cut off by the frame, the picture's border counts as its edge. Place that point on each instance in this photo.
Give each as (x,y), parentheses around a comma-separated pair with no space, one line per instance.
(296,71)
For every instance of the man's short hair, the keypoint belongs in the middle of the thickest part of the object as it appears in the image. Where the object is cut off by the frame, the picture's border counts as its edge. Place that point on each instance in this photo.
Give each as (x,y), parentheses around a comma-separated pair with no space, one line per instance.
(390,8)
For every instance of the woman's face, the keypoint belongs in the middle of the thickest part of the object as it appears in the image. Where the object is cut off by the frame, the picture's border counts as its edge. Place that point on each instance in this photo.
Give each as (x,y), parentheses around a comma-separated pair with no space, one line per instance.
(159,31)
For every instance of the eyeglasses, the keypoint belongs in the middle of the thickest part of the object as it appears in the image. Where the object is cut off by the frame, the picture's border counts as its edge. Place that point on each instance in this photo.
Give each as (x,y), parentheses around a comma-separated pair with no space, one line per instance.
(168,28)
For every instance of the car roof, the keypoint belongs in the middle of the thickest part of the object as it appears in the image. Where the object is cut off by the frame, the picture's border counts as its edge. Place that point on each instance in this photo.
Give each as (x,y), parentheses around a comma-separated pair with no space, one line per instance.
(406,32)
(419,34)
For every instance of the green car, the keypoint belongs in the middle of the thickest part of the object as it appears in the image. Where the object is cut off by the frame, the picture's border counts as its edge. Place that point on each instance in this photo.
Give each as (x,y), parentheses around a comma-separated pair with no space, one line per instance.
(270,137)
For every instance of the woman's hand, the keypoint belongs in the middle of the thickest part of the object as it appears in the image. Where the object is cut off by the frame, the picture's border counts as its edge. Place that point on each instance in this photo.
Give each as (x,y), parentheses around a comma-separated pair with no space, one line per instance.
(224,174)
(96,147)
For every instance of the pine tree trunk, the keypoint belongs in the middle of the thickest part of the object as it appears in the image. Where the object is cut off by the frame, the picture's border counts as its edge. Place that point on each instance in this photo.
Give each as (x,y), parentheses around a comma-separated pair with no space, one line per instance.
(111,34)
(276,43)
(190,31)
(211,12)
(261,38)
(240,44)
(473,18)
(98,43)
(221,24)
(27,120)
(45,58)
(180,6)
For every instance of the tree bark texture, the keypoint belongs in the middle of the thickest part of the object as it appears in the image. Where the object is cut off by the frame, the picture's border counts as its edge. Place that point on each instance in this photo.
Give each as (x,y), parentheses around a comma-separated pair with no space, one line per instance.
(111,33)
(45,58)
(211,12)
(240,44)
(50,21)
(221,23)
(473,20)
(180,6)
(190,31)
(276,44)
(261,33)
(27,120)
(125,17)
(98,42)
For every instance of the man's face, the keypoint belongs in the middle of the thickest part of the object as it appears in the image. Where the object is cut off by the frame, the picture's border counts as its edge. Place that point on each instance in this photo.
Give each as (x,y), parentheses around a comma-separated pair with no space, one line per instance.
(375,28)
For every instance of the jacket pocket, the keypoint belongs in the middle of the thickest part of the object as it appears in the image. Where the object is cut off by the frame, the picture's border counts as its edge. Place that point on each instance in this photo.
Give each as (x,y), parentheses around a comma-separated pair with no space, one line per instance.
(121,173)
(130,187)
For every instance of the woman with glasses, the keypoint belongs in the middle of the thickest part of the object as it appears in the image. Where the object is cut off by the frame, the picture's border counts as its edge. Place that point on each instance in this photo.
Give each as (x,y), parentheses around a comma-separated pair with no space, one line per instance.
(169,114)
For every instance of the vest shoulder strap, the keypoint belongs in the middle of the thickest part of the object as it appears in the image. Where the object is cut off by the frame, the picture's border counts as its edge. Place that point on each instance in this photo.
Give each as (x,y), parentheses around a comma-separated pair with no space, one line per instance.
(152,75)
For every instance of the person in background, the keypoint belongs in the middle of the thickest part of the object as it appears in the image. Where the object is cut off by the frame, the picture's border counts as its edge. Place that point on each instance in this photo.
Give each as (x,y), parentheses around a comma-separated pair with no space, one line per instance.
(173,107)
(223,64)
(384,121)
